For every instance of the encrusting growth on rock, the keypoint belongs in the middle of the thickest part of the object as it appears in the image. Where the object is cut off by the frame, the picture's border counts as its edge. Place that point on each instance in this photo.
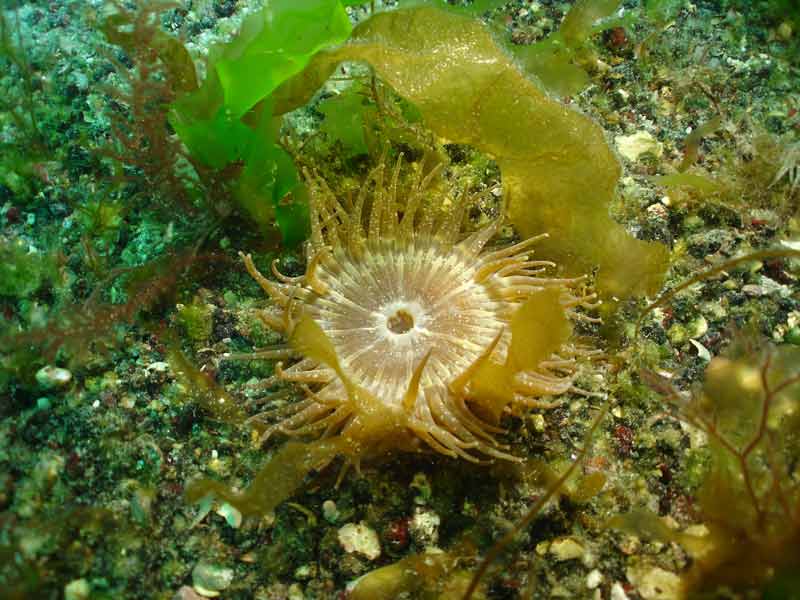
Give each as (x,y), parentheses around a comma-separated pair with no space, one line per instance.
(409,331)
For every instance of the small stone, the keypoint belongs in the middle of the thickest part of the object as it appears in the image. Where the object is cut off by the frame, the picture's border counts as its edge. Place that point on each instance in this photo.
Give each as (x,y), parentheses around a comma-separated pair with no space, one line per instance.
(693,223)
(636,145)
(304,572)
(714,310)
(77,589)
(618,592)
(702,351)
(186,593)
(658,213)
(594,579)
(697,327)
(566,549)
(730,284)
(157,372)
(538,422)
(360,538)
(655,583)
(50,377)
(142,504)
(773,287)
(231,515)
(677,334)
(329,511)
(754,290)
(208,580)
(785,31)
(424,527)
(295,592)
(630,545)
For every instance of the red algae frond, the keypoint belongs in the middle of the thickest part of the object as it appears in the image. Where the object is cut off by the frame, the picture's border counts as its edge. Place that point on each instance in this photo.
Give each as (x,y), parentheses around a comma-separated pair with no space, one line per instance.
(401,321)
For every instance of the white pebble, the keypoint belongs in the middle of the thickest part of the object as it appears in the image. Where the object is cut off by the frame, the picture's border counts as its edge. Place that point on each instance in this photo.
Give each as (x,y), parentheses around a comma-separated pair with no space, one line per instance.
(618,592)
(360,538)
(51,377)
(593,579)
(329,511)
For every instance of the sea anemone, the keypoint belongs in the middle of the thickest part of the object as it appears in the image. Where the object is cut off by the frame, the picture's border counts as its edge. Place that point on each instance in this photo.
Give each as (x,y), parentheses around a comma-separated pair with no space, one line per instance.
(409,330)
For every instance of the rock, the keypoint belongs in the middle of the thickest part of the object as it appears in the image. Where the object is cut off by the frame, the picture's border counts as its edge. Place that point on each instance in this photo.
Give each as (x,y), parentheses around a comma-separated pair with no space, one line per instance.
(50,377)
(658,213)
(186,593)
(305,572)
(618,592)
(636,145)
(594,579)
(231,515)
(360,538)
(208,579)
(785,31)
(702,351)
(677,334)
(424,527)
(697,327)
(77,589)
(157,373)
(329,511)
(752,289)
(654,583)
(295,592)
(538,423)
(566,549)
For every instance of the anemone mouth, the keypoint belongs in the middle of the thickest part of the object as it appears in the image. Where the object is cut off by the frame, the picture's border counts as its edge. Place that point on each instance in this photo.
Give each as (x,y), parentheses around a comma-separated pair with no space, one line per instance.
(401,320)
(410,306)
